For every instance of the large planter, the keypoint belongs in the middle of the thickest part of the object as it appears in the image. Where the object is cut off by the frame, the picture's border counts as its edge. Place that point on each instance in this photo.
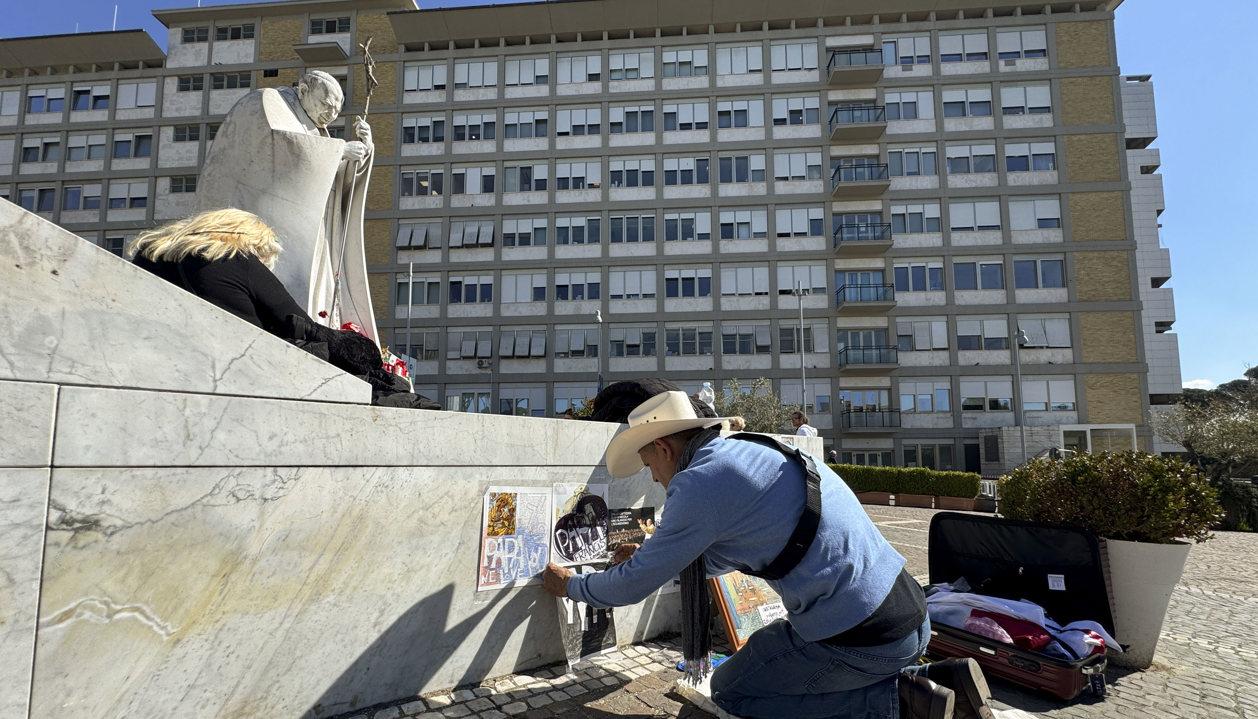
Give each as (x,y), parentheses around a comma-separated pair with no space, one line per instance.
(985,504)
(956,504)
(1141,579)
(883,498)
(925,501)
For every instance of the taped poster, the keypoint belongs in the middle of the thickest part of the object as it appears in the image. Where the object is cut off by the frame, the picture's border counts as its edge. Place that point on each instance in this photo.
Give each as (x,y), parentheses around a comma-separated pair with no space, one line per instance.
(580,529)
(515,536)
(585,630)
(629,526)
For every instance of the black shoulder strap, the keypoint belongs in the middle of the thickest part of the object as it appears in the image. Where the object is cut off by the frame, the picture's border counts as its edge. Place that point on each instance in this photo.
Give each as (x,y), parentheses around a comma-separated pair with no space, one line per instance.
(809,519)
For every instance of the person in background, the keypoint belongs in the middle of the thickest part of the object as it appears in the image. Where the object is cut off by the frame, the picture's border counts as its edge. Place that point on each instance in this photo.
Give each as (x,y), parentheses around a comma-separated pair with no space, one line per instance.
(800,421)
(832,457)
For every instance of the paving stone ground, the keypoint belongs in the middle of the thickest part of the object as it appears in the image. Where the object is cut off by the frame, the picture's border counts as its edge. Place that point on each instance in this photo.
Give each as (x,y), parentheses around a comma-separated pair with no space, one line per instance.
(1207,663)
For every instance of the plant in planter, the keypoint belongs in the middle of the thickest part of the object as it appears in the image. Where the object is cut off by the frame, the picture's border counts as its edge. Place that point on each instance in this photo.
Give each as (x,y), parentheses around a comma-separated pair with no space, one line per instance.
(1145,506)
(912,486)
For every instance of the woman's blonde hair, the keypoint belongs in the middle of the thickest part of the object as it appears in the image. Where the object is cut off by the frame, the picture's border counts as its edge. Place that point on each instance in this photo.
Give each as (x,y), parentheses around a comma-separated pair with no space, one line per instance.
(213,235)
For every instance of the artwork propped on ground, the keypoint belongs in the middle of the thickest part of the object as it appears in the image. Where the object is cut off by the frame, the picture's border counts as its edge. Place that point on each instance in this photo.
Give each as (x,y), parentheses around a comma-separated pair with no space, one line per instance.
(580,530)
(629,526)
(585,630)
(515,536)
(747,603)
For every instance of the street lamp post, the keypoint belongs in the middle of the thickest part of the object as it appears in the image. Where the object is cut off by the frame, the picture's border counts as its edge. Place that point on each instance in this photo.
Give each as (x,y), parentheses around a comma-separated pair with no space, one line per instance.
(598,317)
(1019,340)
(799,293)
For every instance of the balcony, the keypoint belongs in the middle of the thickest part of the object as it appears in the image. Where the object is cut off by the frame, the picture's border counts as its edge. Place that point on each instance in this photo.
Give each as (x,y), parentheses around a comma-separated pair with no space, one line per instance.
(859,182)
(868,360)
(867,122)
(870,421)
(848,68)
(862,240)
(864,299)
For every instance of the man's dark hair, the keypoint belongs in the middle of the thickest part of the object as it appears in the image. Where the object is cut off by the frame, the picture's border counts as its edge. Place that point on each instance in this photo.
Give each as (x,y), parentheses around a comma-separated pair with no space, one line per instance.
(618,399)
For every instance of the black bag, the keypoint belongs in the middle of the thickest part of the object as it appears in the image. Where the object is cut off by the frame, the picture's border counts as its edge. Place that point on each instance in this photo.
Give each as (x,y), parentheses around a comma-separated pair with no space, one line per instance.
(1059,568)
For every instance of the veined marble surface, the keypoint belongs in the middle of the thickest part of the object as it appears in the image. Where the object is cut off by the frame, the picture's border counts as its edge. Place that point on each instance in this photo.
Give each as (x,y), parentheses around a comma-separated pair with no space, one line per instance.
(26,417)
(89,318)
(23,500)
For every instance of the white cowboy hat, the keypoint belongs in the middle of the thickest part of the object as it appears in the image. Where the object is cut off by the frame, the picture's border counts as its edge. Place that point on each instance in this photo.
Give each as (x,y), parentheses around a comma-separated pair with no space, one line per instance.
(659,416)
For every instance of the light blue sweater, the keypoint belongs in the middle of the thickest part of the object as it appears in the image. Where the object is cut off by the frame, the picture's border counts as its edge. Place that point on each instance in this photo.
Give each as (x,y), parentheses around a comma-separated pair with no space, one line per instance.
(738,503)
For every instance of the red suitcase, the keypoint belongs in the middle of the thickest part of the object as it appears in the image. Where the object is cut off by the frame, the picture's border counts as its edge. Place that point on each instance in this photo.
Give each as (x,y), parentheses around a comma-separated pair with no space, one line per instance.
(1060,568)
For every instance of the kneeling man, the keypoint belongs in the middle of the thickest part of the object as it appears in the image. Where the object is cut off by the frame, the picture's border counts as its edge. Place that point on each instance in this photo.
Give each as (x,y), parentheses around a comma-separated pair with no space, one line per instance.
(855,617)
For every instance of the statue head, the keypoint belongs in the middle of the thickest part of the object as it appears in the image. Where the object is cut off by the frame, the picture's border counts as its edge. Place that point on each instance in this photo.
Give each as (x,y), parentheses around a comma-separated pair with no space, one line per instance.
(321,97)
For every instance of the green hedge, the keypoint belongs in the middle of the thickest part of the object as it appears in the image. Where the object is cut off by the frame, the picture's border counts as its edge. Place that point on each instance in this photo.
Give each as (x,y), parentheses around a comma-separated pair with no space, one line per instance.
(908,480)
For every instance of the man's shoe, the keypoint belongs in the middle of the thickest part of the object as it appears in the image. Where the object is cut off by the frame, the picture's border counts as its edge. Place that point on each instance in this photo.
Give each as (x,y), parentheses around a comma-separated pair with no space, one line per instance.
(965,678)
(920,698)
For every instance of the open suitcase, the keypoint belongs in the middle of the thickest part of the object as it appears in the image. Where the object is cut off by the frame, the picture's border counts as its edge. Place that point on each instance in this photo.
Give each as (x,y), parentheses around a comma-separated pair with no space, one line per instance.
(1059,568)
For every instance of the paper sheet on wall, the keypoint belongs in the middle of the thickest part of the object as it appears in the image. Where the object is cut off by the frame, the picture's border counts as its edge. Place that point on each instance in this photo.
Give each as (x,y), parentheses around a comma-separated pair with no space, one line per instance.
(585,630)
(580,524)
(515,536)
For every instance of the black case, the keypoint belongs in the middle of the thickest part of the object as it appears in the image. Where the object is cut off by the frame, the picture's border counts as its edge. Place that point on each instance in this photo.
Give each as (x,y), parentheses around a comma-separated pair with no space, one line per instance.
(1013,560)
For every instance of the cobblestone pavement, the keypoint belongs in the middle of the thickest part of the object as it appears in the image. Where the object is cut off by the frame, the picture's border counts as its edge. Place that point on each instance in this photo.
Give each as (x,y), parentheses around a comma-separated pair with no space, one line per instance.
(1206,664)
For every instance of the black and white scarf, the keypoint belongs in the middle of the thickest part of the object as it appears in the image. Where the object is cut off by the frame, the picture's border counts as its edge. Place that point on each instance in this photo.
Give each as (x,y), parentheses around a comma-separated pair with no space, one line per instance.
(696,602)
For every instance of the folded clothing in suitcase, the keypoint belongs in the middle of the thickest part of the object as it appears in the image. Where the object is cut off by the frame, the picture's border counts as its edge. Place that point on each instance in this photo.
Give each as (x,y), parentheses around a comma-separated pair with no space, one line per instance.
(1059,568)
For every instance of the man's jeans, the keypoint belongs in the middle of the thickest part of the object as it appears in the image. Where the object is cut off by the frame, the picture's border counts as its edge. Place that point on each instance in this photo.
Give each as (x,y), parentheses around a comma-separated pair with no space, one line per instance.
(778,674)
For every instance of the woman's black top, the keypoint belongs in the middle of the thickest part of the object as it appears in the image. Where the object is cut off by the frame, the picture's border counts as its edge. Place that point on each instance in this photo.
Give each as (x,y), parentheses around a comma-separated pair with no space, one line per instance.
(242,285)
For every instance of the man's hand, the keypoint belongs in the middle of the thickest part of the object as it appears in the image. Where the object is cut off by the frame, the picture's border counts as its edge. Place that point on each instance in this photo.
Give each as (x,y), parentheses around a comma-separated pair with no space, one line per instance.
(356,151)
(363,132)
(555,579)
(624,552)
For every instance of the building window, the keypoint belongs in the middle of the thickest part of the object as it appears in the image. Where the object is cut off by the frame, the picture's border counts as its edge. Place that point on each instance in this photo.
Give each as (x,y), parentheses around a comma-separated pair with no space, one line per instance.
(578,175)
(270,72)
(579,68)
(129,145)
(744,224)
(525,124)
(472,233)
(1048,394)
(572,396)
(576,286)
(187,133)
(422,77)
(786,56)
(115,245)
(800,221)
(688,282)
(631,284)
(469,344)
(749,339)
(478,126)
(1025,100)
(986,395)
(739,113)
(910,105)
(183,183)
(631,65)
(906,50)
(9,101)
(422,183)
(632,228)
(866,459)
(475,73)
(472,180)
(125,195)
(85,147)
(639,172)
(919,277)
(744,281)
(418,235)
(524,232)
(930,456)
(742,168)
(963,47)
(686,171)
(685,116)
(47,100)
(474,400)
(417,130)
(196,34)
(133,95)
(90,98)
(921,335)
(631,341)
(525,178)
(190,83)
(245,31)
(425,345)
(579,121)
(976,215)
(810,277)
(687,225)
(912,161)
(1026,43)
(971,159)
(36,149)
(80,197)
(424,290)
(968,102)
(1045,332)
(524,343)
(795,166)
(687,341)
(689,62)
(925,396)
(978,275)
(574,230)
(864,400)
(983,334)
(915,218)
(1030,157)
(800,110)
(576,342)
(37,199)
(1039,274)
(471,289)
(520,401)
(739,59)
(231,80)
(789,338)
(631,118)
(211,130)
(528,71)
(329,25)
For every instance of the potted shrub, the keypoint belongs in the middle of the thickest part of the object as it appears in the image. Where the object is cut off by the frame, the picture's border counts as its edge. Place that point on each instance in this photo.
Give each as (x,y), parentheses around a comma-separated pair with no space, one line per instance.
(955,490)
(870,484)
(1147,508)
(916,488)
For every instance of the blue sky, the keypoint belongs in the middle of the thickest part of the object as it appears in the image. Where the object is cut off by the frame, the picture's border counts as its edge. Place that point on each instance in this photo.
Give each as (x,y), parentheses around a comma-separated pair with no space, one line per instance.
(1203,116)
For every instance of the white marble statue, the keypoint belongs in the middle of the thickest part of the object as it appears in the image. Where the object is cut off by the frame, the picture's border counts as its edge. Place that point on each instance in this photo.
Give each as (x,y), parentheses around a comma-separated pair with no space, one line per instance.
(273,157)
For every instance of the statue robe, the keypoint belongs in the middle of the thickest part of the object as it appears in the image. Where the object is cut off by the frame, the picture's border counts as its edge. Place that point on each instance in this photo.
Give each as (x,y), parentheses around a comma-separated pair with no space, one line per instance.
(270,159)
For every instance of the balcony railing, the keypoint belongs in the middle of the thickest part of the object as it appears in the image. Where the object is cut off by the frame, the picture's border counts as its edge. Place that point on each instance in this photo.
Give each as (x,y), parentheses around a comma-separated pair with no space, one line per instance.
(870,172)
(842,59)
(862,233)
(862,115)
(868,355)
(864,293)
(871,419)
